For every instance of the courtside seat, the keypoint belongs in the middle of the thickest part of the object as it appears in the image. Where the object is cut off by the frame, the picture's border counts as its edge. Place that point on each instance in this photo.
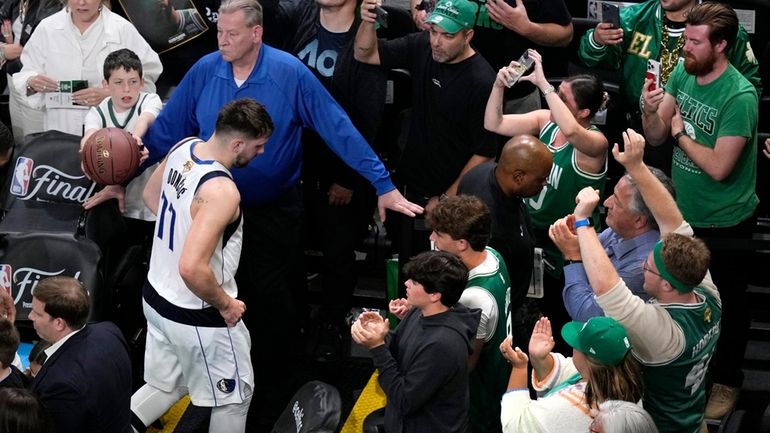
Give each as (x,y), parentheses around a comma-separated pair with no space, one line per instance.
(45,231)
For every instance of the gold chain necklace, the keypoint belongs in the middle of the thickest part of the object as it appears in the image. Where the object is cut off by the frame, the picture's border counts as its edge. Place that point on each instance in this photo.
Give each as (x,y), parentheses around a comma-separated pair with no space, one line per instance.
(668,59)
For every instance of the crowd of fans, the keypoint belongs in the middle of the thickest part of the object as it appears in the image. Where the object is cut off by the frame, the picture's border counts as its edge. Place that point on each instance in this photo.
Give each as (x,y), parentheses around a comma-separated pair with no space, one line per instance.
(274,127)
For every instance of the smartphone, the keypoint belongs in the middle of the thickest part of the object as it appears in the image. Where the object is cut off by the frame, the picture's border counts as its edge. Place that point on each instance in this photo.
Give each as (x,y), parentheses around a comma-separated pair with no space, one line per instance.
(653,73)
(426,5)
(382,16)
(525,62)
(611,14)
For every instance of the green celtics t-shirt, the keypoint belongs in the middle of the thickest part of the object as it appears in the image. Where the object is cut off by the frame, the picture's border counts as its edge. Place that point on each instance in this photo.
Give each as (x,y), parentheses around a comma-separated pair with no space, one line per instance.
(723,108)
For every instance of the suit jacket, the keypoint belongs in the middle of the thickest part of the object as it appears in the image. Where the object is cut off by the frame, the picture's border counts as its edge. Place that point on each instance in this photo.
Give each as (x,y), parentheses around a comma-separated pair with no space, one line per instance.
(85,386)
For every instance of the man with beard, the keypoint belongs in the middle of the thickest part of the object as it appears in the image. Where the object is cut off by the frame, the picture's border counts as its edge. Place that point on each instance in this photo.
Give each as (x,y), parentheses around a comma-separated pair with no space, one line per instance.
(196,341)
(710,110)
(450,84)
(653,31)
(504,30)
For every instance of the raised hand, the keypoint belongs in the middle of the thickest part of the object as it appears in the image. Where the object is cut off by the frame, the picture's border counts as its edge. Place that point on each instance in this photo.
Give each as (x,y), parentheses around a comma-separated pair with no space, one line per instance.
(515,356)
(651,98)
(586,202)
(537,77)
(606,34)
(399,307)
(513,18)
(541,342)
(633,150)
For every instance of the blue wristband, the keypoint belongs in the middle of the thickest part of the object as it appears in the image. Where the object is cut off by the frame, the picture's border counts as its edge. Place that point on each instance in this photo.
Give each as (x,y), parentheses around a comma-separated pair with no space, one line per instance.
(582,223)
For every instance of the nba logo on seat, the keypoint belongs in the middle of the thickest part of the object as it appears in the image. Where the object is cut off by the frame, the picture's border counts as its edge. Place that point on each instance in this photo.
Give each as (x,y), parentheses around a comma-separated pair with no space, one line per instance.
(21,176)
(6,281)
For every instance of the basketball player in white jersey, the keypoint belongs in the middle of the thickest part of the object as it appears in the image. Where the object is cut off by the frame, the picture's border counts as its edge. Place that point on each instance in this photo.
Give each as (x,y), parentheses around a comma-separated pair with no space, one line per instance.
(196,342)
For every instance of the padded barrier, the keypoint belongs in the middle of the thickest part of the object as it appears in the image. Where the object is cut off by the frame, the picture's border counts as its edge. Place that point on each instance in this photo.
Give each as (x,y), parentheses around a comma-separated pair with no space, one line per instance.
(26,258)
(314,408)
(41,234)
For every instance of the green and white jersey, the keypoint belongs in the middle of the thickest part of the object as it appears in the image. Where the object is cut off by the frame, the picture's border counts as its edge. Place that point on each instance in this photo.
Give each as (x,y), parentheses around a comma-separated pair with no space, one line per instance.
(488,288)
(103,116)
(566,179)
(675,394)
(557,198)
(725,107)
(674,343)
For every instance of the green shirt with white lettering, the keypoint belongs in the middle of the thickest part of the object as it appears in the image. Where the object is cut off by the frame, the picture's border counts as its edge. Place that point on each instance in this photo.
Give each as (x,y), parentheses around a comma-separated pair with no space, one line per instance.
(725,107)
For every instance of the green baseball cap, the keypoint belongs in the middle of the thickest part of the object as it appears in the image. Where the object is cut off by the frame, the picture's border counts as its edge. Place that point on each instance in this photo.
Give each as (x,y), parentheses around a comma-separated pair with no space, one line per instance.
(601,338)
(453,15)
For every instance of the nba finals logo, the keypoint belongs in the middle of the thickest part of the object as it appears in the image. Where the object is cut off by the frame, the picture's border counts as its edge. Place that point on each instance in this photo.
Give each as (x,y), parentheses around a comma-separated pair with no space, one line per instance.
(21,176)
(48,183)
(27,278)
(6,278)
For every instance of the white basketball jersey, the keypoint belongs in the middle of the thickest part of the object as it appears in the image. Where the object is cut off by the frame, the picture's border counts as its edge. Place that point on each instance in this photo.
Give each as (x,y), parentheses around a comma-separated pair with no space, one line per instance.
(183,175)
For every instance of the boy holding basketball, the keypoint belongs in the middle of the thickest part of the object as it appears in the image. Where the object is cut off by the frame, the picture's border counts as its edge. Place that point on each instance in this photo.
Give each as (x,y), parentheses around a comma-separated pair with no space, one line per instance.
(130,109)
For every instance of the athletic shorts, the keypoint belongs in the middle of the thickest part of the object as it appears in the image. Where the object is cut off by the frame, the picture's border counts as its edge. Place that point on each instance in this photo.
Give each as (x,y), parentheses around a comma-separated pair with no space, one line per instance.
(213,363)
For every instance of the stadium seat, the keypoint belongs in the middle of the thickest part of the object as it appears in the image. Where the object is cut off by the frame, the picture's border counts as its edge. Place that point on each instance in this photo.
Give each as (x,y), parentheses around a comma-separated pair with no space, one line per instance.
(45,231)
(314,408)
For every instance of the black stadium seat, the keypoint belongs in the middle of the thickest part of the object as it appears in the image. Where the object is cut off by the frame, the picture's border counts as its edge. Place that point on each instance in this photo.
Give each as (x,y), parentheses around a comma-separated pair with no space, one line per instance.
(46,232)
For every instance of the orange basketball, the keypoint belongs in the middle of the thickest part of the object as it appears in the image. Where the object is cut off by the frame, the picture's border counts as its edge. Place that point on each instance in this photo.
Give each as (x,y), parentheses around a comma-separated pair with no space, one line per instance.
(110,156)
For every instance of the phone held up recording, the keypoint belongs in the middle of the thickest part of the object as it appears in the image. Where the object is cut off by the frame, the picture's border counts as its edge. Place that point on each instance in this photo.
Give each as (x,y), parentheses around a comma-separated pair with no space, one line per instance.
(524,63)
(611,14)
(382,16)
(653,73)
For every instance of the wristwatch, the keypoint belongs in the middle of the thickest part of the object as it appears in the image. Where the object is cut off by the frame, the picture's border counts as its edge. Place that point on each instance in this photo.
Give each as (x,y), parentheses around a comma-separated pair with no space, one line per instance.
(582,223)
(547,90)
(679,135)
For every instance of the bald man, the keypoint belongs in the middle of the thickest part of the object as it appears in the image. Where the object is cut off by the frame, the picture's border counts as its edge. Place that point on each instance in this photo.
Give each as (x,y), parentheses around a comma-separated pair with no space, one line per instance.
(525,163)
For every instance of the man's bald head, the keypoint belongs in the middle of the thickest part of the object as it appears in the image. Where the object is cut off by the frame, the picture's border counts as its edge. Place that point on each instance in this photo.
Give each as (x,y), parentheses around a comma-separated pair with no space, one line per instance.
(524,165)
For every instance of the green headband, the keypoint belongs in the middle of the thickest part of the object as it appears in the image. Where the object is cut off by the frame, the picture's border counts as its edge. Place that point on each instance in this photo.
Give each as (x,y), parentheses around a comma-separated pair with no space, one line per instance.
(658,257)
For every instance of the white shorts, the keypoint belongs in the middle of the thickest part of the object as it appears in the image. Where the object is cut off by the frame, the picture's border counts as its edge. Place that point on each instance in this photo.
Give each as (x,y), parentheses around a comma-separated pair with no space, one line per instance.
(213,363)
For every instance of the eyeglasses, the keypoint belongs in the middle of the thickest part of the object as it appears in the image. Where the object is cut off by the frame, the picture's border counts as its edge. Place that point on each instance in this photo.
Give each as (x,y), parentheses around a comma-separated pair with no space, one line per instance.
(646,269)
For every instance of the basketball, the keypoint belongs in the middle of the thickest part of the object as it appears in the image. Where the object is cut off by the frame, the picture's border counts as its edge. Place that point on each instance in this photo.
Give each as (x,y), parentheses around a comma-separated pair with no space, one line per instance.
(110,156)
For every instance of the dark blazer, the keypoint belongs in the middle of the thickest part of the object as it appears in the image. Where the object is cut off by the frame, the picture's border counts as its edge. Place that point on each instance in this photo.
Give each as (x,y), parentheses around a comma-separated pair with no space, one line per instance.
(85,386)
